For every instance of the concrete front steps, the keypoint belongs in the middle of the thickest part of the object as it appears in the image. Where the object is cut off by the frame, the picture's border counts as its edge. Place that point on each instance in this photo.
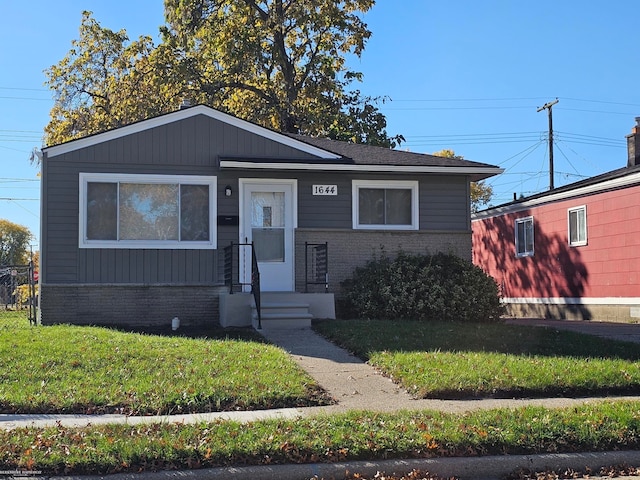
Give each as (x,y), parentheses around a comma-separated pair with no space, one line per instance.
(281,314)
(280,310)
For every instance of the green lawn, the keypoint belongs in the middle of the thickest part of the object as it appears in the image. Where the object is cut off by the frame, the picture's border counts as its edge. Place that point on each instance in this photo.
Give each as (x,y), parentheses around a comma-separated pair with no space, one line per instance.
(68,368)
(456,360)
(72,369)
(351,436)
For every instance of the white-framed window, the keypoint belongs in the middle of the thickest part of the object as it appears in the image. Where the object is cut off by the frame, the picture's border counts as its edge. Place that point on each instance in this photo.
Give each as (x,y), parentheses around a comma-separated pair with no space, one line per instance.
(147,211)
(385,204)
(524,237)
(577,218)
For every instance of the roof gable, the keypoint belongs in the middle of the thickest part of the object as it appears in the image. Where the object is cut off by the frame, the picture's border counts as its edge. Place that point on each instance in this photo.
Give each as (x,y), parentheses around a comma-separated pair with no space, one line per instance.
(178,115)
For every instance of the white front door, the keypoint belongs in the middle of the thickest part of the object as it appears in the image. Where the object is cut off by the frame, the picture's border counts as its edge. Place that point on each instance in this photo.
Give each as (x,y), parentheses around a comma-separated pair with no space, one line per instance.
(268,214)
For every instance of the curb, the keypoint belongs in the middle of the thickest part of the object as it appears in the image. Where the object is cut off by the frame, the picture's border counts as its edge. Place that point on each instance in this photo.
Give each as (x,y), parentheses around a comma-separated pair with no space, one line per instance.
(477,468)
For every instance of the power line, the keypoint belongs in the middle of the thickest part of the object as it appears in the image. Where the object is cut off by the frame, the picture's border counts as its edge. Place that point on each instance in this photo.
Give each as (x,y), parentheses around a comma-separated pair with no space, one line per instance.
(510,99)
(21,131)
(11,199)
(14,201)
(26,98)
(27,89)
(13,149)
(458,108)
(593,111)
(601,101)
(529,151)
(507,99)
(565,157)
(474,134)
(4,137)
(9,179)
(510,137)
(591,136)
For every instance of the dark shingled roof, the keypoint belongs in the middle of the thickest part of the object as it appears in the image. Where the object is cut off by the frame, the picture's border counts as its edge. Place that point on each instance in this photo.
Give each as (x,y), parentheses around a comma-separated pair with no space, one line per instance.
(368,155)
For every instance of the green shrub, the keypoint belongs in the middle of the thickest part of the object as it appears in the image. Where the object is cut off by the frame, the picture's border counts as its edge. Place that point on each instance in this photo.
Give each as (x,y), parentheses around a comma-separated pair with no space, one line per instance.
(422,287)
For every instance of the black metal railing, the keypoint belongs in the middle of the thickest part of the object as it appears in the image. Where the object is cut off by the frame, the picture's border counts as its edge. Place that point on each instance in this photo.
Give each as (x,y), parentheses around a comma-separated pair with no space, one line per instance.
(232,272)
(316,265)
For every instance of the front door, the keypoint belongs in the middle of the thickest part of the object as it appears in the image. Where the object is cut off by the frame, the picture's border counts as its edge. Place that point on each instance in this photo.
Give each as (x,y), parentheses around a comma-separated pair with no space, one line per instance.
(268,220)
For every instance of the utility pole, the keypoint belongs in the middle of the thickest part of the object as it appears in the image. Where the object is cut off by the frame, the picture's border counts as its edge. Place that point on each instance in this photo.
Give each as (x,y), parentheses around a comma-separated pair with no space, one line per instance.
(547,106)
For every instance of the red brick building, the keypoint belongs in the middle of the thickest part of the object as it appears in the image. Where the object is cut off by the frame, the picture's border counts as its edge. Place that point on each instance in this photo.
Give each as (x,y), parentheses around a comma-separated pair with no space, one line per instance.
(572,252)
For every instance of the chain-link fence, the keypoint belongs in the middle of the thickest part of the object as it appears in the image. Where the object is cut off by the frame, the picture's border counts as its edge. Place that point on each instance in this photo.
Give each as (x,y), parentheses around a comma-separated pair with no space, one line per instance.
(18,293)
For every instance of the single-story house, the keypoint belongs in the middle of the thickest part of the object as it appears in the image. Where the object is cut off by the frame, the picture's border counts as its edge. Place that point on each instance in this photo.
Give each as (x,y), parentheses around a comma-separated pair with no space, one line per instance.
(571,252)
(138,222)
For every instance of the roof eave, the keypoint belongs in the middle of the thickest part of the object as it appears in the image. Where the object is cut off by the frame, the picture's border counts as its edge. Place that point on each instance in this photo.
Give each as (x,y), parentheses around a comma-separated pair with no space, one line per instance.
(476,173)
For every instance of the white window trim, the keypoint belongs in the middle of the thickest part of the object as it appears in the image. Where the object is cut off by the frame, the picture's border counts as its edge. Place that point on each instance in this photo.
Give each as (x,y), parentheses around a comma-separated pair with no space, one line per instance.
(579,243)
(526,253)
(407,184)
(86,178)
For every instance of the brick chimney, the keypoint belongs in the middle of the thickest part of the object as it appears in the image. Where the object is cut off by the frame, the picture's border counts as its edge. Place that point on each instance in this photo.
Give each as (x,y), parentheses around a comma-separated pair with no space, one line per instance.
(633,145)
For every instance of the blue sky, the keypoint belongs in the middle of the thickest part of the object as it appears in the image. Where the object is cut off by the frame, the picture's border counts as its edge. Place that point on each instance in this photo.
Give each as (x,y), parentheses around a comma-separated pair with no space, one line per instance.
(465,75)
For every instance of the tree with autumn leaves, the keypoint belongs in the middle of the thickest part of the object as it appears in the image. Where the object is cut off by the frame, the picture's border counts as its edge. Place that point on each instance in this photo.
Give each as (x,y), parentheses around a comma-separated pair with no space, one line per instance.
(14,243)
(278,63)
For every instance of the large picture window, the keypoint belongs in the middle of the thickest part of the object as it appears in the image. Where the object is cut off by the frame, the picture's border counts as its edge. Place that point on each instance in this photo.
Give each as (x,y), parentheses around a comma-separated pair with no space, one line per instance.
(390,205)
(578,226)
(147,211)
(524,237)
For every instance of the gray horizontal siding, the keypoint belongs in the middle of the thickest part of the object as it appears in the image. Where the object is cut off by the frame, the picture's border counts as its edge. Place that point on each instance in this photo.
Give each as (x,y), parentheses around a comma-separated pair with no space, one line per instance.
(444,202)
(195,141)
(324,211)
(146,266)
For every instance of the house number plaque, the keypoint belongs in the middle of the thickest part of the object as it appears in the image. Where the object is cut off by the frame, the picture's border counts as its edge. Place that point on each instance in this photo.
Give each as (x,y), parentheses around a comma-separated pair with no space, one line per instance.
(325,190)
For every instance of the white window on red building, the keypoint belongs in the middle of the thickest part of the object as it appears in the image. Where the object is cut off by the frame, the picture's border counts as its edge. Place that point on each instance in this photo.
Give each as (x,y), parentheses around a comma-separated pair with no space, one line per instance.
(524,237)
(577,226)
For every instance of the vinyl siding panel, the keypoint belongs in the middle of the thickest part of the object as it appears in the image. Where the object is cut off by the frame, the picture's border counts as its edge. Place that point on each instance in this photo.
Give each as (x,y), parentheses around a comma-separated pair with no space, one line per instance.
(324,211)
(444,202)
